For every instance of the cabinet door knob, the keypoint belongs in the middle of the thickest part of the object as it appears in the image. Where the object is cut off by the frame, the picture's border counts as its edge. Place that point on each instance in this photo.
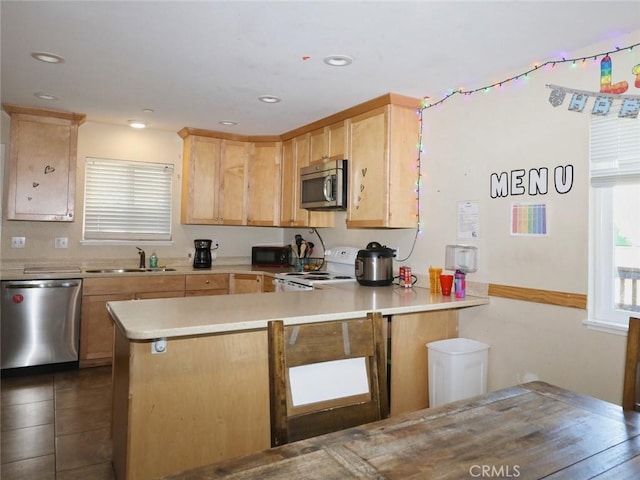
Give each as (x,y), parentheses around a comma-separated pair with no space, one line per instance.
(207,282)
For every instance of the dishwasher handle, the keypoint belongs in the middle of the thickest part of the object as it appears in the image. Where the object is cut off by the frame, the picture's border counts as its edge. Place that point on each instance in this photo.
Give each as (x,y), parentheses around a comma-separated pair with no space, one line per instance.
(42,284)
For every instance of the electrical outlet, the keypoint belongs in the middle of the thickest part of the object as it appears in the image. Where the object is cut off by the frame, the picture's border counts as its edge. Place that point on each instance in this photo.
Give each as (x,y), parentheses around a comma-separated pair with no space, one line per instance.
(215,245)
(396,252)
(159,345)
(61,242)
(18,242)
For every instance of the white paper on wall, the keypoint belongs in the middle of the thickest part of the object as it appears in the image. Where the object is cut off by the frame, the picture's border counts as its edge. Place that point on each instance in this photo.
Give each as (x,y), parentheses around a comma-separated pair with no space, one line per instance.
(328,380)
(468,219)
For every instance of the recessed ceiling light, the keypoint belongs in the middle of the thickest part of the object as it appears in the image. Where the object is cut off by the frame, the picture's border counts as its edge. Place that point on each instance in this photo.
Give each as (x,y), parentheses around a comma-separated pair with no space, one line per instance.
(137,124)
(45,96)
(338,60)
(269,99)
(148,110)
(47,57)
(228,123)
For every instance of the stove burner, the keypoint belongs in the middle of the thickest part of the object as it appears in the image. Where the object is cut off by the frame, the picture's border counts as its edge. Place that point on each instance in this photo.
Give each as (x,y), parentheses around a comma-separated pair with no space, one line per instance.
(339,268)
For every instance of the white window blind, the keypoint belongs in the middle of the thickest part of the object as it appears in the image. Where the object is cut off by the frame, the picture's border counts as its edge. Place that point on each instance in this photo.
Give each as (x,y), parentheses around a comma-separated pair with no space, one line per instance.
(615,230)
(127,200)
(614,151)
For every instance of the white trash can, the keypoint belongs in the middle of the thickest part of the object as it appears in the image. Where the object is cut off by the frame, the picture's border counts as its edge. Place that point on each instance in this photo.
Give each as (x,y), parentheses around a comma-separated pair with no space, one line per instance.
(457,369)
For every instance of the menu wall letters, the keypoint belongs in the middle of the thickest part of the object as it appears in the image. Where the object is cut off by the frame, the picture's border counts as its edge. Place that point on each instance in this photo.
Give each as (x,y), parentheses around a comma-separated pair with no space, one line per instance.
(515,183)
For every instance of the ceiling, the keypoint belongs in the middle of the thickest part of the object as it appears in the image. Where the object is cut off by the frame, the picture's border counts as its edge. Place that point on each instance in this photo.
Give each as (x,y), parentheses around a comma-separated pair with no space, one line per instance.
(198,63)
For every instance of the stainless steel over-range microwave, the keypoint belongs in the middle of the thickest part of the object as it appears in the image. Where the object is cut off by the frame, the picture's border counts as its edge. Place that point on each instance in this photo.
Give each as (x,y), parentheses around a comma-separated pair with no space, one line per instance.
(323,186)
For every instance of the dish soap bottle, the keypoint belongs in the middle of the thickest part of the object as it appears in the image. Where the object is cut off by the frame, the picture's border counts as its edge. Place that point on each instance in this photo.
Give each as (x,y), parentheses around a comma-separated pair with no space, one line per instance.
(153,260)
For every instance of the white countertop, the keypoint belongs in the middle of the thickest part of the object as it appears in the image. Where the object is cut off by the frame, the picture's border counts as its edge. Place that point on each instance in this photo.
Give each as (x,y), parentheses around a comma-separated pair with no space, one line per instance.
(184,316)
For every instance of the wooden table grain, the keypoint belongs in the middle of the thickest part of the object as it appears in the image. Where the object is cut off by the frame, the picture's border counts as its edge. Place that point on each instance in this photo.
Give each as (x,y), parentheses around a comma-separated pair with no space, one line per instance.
(530,431)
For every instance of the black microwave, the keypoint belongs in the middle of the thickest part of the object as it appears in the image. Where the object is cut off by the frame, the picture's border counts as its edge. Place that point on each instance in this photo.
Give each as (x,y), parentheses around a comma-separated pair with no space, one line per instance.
(270,256)
(323,186)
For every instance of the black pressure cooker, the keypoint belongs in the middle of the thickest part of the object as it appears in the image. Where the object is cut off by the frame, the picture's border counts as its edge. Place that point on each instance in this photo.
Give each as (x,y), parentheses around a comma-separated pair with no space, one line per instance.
(374,265)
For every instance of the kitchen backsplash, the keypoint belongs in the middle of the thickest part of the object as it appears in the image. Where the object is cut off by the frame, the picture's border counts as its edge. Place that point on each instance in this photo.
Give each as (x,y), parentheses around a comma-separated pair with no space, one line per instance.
(128,262)
(422,281)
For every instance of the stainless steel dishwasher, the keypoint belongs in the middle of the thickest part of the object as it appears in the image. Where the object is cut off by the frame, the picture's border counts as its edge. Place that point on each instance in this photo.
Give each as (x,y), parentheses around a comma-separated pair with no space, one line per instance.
(40,322)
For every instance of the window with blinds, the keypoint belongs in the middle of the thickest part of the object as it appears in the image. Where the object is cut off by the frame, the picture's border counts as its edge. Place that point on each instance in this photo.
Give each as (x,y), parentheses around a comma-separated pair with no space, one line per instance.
(614,147)
(127,200)
(614,153)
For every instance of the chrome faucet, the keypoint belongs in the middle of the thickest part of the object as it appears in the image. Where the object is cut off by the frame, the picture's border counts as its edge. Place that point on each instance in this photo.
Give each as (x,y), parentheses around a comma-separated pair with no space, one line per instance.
(143,261)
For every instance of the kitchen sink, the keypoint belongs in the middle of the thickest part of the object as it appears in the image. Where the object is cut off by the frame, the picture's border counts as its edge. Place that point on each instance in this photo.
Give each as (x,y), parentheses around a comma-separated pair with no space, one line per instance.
(129,270)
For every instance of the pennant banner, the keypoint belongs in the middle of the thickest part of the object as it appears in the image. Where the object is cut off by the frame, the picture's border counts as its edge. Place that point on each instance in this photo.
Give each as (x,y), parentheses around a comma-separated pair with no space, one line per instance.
(629,108)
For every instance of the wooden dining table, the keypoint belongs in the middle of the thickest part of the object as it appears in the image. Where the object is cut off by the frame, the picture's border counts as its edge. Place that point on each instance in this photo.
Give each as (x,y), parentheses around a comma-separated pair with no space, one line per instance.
(529,431)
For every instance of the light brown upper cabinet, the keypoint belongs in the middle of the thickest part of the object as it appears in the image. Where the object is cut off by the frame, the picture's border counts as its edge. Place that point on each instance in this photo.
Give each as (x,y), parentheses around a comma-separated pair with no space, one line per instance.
(297,154)
(382,168)
(291,215)
(200,163)
(232,188)
(214,179)
(42,164)
(326,143)
(288,189)
(263,192)
(329,142)
(245,180)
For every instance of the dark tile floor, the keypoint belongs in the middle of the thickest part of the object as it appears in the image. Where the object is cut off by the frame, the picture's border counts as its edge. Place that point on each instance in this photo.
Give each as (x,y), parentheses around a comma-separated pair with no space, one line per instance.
(56,426)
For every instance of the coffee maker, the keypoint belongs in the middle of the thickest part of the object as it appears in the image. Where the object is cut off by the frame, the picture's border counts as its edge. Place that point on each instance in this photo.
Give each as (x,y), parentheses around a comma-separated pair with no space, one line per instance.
(202,256)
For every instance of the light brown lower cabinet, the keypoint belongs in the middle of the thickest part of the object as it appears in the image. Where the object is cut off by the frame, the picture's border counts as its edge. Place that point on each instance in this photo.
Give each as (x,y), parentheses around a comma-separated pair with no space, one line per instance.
(207,398)
(245,283)
(207,284)
(96,325)
(96,332)
(223,284)
(268,284)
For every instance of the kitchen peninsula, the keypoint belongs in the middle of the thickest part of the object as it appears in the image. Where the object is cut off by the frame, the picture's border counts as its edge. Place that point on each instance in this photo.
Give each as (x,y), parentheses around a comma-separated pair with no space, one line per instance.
(201,394)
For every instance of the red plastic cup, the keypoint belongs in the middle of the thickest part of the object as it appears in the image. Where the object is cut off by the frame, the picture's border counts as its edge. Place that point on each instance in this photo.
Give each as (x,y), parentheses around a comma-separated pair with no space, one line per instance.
(446,283)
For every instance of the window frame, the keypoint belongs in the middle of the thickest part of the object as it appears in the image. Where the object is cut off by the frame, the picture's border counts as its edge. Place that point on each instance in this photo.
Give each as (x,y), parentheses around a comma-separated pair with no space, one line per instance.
(161,205)
(602,313)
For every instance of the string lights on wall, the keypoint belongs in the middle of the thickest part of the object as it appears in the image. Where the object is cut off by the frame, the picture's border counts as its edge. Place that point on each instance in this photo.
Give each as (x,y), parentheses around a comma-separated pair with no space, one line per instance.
(418,167)
(427,103)
(551,63)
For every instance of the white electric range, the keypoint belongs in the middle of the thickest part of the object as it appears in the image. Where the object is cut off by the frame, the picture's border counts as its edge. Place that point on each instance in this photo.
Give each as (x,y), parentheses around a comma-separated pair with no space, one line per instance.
(339,267)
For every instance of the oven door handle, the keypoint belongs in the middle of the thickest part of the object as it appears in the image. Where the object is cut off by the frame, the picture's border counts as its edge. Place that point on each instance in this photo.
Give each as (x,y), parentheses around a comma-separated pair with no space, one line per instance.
(327,189)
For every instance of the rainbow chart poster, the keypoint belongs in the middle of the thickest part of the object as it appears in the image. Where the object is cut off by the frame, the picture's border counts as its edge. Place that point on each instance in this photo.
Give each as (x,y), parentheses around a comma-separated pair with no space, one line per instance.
(529,219)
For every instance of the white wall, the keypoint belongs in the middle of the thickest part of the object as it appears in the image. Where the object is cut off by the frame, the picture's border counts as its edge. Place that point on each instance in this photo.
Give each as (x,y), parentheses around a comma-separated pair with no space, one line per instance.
(465,140)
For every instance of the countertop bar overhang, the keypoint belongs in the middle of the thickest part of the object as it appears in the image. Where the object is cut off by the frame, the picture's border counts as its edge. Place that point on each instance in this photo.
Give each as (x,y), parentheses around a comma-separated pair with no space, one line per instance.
(188,316)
